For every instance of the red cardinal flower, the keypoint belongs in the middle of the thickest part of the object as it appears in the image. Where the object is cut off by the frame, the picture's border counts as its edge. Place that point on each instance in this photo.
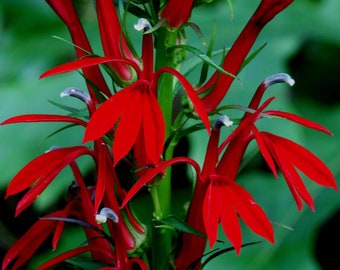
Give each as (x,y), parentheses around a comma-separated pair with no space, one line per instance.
(135,108)
(225,201)
(223,198)
(219,84)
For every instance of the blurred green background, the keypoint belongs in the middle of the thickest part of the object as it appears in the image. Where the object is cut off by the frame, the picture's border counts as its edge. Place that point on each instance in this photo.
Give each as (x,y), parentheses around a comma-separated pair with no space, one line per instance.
(303,41)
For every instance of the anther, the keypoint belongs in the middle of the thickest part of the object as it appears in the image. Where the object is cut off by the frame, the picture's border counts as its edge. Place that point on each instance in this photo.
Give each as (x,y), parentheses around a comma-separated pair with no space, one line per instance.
(77,93)
(106,213)
(142,25)
(223,121)
(279,78)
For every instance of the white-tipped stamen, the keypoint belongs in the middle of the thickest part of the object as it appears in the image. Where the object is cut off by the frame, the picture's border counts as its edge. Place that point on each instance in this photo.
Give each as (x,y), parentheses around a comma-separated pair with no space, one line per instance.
(279,78)
(77,93)
(142,25)
(223,121)
(106,213)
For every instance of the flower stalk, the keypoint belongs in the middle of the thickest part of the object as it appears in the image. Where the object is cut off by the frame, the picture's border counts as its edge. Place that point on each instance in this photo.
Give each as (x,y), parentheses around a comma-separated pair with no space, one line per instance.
(130,132)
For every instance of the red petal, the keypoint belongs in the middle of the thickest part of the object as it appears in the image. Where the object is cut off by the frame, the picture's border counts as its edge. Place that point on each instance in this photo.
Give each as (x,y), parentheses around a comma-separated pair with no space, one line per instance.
(42,169)
(305,161)
(211,156)
(212,209)
(153,127)
(25,247)
(87,62)
(298,119)
(107,115)
(152,173)
(246,122)
(38,167)
(103,173)
(28,118)
(264,150)
(128,127)
(249,211)
(294,181)
(229,218)
(60,224)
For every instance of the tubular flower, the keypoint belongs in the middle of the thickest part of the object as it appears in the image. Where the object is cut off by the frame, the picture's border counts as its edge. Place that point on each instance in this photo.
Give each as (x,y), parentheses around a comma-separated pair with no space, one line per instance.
(217,186)
(177,12)
(219,84)
(127,123)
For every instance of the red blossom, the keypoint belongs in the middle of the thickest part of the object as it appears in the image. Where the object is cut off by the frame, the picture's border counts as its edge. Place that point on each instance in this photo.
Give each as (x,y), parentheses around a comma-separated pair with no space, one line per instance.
(137,111)
(225,201)
(26,246)
(220,83)
(40,172)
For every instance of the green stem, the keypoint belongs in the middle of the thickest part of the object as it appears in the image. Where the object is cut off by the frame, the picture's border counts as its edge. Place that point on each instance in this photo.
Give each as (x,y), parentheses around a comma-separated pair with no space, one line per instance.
(161,190)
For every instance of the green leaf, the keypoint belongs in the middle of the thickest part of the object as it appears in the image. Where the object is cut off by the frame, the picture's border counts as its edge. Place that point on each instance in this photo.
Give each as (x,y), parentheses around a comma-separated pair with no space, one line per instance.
(205,58)
(179,225)
(220,252)
(63,107)
(204,70)
(251,57)
(230,5)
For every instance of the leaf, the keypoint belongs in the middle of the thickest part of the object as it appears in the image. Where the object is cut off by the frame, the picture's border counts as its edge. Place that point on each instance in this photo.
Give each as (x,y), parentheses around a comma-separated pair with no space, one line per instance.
(225,250)
(205,58)
(180,225)
(251,57)
(69,254)
(204,70)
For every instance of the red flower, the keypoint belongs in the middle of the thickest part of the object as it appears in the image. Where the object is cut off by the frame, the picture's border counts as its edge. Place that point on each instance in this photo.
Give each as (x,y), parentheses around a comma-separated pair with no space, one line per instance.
(177,12)
(223,198)
(219,84)
(225,201)
(138,113)
(135,108)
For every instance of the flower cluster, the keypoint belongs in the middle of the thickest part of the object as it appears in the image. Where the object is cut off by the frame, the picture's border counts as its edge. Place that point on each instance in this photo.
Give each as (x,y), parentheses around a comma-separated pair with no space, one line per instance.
(135,124)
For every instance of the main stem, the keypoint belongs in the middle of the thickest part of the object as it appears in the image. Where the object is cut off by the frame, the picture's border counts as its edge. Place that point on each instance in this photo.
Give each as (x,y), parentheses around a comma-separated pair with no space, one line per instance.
(161,190)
